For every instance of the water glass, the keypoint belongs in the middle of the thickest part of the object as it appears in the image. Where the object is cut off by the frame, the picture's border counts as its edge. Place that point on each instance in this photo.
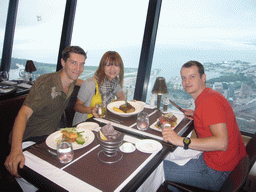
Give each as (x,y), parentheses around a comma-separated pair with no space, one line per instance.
(142,121)
(65,151)
(101,110)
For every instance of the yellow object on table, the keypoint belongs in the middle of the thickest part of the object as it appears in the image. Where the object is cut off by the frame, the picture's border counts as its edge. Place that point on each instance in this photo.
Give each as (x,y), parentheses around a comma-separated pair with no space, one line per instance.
(118,110)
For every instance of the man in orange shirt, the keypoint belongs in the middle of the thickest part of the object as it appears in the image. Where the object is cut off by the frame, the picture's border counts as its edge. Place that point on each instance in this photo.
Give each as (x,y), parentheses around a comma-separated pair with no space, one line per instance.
(218,135)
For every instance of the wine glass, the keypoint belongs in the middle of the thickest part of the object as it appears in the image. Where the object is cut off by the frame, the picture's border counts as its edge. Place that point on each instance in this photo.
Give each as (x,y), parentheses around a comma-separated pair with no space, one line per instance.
(4,75)
(101,110)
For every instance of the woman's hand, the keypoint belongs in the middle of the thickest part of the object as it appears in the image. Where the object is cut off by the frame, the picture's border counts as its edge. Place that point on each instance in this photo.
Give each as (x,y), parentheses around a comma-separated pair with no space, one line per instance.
(94,112)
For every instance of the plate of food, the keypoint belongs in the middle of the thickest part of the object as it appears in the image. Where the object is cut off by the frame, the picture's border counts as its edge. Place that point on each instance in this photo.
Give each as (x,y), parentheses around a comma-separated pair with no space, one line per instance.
(148,146)
(120,108)
(79,137)
(88,125)
(170,119)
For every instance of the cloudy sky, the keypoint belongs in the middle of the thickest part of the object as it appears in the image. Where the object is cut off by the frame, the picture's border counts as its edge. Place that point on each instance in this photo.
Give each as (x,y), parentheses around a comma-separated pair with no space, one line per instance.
(119,25)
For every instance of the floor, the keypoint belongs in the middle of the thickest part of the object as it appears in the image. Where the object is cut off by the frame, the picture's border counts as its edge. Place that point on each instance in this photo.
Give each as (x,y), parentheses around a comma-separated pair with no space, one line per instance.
(7,181)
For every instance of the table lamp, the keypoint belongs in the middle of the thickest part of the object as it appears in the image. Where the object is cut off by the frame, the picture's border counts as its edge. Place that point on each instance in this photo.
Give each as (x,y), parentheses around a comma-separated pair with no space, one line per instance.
(159,88)
(30,67)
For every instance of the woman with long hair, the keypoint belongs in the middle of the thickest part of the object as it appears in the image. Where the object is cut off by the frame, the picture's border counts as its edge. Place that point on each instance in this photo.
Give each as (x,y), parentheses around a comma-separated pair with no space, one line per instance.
(104,87)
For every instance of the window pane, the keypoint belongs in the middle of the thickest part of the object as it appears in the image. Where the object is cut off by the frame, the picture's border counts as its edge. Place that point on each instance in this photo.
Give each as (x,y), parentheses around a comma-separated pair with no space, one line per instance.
(3,16)
(219,34)
(113,26)
(37,36)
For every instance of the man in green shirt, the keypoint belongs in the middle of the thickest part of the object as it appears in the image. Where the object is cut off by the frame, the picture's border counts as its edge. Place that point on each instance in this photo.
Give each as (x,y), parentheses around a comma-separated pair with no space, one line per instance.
(43,107)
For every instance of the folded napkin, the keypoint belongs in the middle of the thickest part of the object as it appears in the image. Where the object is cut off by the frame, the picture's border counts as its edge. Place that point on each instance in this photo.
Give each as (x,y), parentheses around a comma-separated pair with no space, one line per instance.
(181,156)
(9,82)
(110,133)
(6,90)
(27,144)
(25,85)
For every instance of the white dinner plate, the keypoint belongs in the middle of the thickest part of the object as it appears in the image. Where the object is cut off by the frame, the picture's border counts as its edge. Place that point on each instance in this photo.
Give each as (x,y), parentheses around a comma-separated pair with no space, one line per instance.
(139,106)
(148,146)
(127,147)
(88,135)
(88,125)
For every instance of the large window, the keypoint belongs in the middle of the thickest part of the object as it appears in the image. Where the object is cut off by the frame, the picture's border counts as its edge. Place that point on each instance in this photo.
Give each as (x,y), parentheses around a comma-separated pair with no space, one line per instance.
(3,16)
(220,35)
(37,36)
(113,25)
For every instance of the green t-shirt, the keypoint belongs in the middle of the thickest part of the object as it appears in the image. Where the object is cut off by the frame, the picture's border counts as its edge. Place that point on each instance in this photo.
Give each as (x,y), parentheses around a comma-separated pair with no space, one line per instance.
(48,102)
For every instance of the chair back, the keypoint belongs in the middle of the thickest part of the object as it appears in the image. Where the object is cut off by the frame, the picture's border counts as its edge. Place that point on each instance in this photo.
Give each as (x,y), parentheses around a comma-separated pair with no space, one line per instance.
(237,177)
(251,150)
(69,111)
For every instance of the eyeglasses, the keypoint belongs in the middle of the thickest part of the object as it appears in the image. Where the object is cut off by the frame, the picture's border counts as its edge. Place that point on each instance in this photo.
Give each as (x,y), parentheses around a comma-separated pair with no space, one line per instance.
(111,64)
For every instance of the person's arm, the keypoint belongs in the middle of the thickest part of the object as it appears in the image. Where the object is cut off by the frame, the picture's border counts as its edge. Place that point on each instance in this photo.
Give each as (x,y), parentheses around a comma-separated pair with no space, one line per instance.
(16,157)
(120,96)
(79,82)
(217,142)
(79,107)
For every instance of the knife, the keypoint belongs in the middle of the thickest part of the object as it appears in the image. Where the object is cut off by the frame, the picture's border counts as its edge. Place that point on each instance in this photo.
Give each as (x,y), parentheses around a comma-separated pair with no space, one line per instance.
(45,151)
(112,119)
(177,106)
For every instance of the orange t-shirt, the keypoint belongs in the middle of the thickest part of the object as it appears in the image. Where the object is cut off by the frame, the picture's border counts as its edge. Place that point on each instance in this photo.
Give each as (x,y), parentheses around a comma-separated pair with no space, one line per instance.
(213,108)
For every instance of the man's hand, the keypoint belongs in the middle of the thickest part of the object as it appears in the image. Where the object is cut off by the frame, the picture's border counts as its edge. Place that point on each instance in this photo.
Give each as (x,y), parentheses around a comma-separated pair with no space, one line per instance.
(169,135)
(189,113)
(13,161)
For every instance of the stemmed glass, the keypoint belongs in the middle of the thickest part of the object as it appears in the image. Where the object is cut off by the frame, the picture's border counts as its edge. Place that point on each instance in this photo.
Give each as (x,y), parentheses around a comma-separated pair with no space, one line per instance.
(4,75)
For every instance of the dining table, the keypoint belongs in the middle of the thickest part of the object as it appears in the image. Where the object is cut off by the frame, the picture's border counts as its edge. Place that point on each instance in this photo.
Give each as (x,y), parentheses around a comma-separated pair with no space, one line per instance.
(87,172)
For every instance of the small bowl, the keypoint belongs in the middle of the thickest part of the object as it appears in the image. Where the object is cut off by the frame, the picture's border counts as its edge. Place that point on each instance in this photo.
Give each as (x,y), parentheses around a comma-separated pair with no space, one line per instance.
(127,147)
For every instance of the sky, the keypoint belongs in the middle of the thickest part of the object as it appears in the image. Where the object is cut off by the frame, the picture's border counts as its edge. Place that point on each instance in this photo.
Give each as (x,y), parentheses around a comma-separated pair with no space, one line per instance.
(119,25)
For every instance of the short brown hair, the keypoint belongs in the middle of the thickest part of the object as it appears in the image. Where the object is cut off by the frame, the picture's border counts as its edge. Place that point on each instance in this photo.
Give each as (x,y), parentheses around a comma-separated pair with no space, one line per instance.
(194,63)
(72,49)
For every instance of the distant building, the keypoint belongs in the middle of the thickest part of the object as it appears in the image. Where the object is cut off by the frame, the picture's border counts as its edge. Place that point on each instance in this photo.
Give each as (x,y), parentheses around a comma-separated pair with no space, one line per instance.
(245,91)
(217,86)
(231,92)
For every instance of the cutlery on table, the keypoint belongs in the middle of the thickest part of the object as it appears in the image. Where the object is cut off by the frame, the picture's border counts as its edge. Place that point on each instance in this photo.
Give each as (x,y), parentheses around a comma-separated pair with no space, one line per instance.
(178,107)
(113,119)
(45,151)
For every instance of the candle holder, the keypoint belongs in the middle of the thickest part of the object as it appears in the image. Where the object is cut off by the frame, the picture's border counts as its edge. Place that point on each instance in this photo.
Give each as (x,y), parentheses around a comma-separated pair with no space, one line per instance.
(30,67)
(159,88)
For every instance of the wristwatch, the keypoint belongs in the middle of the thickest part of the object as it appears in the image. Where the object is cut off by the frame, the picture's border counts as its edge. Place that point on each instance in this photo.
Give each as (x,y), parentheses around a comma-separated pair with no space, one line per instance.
(186,142)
